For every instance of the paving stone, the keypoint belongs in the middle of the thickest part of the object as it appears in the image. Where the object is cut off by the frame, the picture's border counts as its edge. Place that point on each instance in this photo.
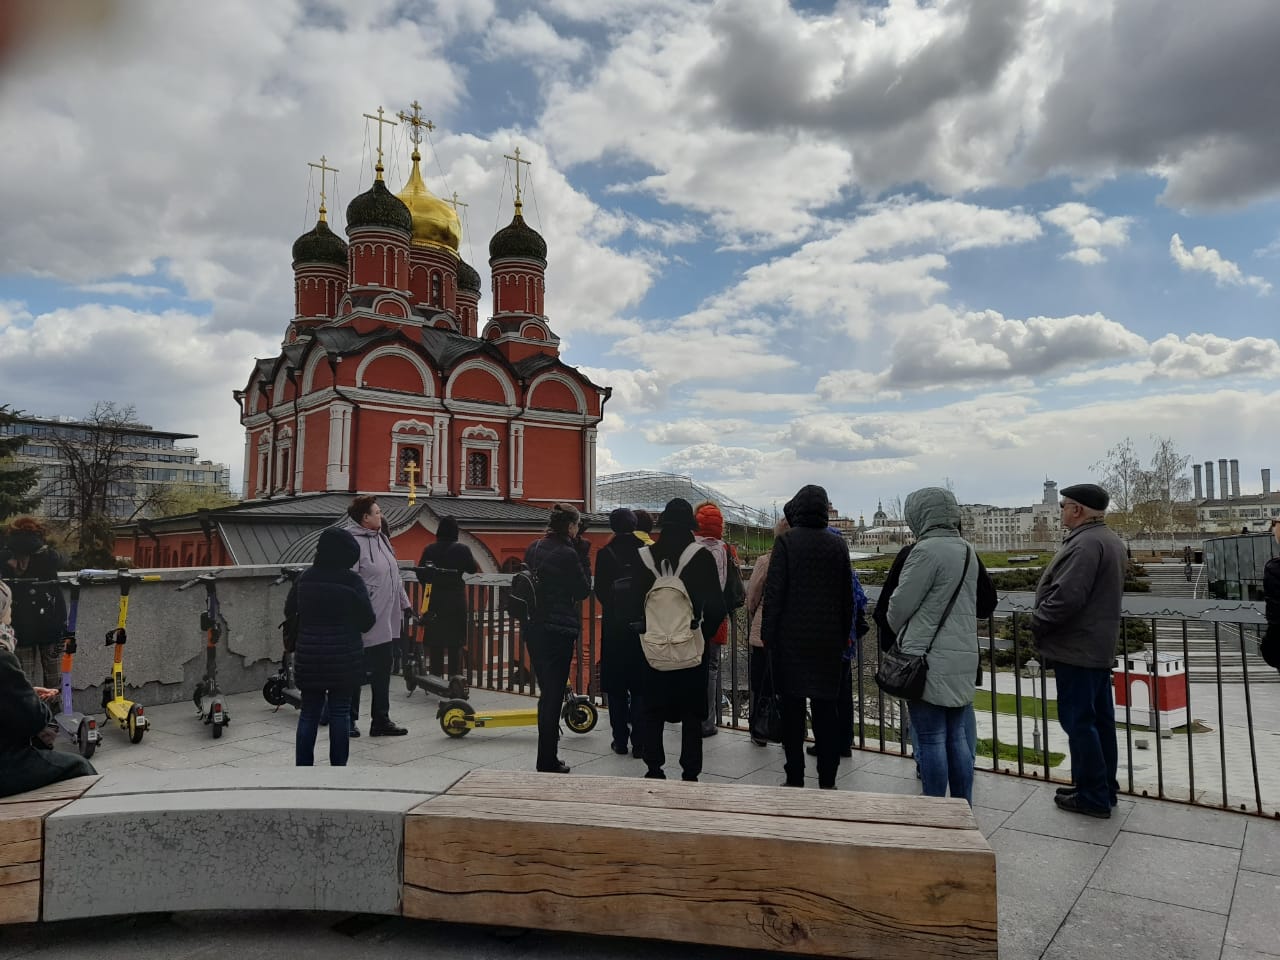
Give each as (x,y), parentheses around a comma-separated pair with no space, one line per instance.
(1252,925)
(1235,953)
(1262,847)
(1181,872)
(1103,924)
(1034,900)
(1165,819)
(989,819)
(1039,815)
(1002,792)
(866,782)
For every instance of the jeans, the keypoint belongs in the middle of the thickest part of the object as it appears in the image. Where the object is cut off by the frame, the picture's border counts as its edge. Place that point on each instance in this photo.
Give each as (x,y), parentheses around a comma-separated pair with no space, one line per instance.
(1087,713)
(28,768)
(826,739)
(313,701)
(377,666)
(946,751)
(712,719)
(551,655)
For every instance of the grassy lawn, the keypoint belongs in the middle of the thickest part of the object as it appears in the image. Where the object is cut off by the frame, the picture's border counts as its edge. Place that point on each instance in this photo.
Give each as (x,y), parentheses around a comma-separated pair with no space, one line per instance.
(1008,751)
(1008,703)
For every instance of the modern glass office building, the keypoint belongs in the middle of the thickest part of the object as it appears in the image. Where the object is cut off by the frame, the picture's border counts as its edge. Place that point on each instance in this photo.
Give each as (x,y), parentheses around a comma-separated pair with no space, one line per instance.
(1233,565)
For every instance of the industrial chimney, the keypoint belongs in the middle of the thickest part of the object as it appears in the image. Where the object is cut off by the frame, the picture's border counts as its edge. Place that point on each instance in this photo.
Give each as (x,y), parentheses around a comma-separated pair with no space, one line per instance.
(1235,479)
(1222,478)
(1208,479)
(1266,481)
(1197,480)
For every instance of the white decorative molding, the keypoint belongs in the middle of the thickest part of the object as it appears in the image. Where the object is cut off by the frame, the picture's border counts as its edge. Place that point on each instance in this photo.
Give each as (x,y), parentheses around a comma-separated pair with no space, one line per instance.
(479,440)
(517,460)
(338,469)
(419,435)
(558,377)
(396,350)
(508,388)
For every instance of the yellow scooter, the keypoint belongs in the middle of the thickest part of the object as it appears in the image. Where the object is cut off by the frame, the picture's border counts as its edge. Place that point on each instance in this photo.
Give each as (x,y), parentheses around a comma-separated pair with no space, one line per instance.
(126,713)
(458,717)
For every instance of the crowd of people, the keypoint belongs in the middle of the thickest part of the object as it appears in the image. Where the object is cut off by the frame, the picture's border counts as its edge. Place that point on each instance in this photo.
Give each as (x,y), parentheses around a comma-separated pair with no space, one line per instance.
(666,587)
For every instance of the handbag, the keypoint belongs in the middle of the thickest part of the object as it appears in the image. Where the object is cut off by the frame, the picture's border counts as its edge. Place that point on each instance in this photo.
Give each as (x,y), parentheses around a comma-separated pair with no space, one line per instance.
(735,592)
(903,674)
(766,718)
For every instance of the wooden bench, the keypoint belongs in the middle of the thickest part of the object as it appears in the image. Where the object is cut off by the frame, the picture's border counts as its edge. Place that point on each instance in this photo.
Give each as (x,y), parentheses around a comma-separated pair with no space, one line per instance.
(800,871)
(22,845)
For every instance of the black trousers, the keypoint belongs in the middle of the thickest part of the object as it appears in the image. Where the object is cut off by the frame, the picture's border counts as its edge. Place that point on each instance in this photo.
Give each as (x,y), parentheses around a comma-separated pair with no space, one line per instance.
(655,754)
(551,656)
(626,710)
(377,667)
(28,768)
(758,668)
(826,738)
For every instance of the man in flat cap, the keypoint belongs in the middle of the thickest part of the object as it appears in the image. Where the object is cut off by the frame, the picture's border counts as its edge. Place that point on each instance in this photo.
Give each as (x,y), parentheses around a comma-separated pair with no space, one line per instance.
(1076,622)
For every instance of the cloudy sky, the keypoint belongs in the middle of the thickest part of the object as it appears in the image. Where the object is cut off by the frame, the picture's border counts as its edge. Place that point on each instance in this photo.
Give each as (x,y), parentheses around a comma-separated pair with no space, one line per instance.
(876,246)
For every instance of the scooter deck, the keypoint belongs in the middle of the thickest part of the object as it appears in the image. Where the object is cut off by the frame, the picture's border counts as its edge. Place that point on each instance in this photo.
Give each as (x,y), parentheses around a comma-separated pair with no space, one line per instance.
(504,718)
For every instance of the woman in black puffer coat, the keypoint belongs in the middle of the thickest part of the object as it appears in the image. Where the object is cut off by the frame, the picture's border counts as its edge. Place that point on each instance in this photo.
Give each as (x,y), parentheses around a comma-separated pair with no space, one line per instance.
(444,625)
(560,560)
(333,610)
(808,613)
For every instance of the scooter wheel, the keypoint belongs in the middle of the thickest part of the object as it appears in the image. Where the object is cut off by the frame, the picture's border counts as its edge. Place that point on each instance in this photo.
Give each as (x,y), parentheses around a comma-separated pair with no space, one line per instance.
(86,743)
(459,688)
(131,724)
(217,730)
(581,716)
(273,691)
(410,683)
(453,718)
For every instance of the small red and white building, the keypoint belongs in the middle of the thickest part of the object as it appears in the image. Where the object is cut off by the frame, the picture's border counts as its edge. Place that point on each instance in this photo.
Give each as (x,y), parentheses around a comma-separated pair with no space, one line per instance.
(1151,688)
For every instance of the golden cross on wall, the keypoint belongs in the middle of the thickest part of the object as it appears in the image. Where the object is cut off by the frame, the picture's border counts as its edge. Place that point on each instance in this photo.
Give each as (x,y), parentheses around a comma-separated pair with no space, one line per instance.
(324,168)
(380,121)
(411,468)
(518,161)
(415,122)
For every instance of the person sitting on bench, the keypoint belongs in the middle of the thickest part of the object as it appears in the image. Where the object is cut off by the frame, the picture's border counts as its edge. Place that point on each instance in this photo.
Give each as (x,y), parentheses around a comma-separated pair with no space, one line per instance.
(25,720)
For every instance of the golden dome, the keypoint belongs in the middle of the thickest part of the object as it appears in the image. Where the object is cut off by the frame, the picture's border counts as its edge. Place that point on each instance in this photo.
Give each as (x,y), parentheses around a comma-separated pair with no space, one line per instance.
(435,223)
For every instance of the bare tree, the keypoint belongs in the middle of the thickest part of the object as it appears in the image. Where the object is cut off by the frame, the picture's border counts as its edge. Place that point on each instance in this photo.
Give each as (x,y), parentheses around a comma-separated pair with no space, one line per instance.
(1120,472)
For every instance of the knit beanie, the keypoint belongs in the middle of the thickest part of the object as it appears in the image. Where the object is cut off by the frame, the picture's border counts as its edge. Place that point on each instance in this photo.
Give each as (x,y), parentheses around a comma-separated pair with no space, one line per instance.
(678,515)
(622,520)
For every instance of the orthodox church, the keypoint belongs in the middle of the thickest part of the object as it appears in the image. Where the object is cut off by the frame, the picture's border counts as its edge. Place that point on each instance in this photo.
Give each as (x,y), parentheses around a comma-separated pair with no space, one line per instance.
(387,384)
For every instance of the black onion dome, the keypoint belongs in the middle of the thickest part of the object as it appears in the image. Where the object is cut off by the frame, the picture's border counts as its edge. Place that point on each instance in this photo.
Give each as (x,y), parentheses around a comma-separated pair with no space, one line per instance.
(518,239)
(320,245)
(468,278)
(378,207)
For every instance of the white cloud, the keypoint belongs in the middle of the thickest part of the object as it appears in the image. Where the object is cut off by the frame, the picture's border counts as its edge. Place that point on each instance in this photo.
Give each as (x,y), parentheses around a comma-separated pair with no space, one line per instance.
(1204,356)
(1207,260)
(1089,230)
(697,430)
(529,36)
(124,288)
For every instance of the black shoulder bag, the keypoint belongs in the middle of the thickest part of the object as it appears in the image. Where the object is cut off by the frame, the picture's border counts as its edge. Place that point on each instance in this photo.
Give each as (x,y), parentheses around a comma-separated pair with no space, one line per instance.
(902,674)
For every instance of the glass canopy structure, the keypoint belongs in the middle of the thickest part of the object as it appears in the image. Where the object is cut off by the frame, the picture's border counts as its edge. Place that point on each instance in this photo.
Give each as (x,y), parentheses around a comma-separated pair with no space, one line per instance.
(650,490)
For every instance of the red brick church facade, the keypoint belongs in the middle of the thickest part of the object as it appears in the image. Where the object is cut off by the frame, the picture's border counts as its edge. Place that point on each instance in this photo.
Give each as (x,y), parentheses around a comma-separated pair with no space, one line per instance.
(386,384)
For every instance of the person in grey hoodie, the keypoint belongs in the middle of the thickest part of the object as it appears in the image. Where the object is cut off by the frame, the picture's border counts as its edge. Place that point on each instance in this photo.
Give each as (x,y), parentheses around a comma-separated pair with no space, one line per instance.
(380,572)
(1075,621)
(929,622)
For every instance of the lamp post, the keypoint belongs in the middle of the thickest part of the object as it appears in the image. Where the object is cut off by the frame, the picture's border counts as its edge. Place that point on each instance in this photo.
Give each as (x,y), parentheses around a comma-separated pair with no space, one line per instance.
(1033,671)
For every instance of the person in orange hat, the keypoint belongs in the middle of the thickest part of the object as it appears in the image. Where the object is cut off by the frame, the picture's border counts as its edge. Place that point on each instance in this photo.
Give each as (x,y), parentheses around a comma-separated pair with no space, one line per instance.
(710,533)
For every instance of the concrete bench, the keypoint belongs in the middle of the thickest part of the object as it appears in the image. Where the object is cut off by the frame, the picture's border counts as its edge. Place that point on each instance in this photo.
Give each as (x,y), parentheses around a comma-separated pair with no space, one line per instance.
(801,871)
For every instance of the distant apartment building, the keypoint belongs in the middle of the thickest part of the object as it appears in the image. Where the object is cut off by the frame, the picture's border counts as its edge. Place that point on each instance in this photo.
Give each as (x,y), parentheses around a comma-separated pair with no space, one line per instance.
(152,457)
(1038,526)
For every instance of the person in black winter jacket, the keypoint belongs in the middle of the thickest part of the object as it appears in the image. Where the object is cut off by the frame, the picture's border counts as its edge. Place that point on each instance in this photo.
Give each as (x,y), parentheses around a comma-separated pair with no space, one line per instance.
(24,718)
(333,610)
(1270,646)
(680,696)
(621,660)
(445,621)
(39,612)
(560,561)
(808,614)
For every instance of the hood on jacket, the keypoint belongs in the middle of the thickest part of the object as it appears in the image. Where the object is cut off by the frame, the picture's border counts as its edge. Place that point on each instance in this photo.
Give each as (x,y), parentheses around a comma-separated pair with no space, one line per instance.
(447,530)
(337,549)
(808,508)
(932,512)
(710,520)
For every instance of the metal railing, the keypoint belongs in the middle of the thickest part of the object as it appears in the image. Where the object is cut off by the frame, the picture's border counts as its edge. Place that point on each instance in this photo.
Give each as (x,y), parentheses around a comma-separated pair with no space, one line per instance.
(1228,758)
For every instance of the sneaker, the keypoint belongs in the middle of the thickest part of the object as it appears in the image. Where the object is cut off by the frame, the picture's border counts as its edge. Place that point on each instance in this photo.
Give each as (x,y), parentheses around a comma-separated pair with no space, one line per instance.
(709,732)
(354,733)
(656,774)
(1065,791)
(560,767)
(619,748)
(759,741)
(788,783)
(386,728)
(1071,803)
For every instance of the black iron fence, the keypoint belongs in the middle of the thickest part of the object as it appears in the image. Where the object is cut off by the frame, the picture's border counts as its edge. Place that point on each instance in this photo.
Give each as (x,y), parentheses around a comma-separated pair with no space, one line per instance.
(1221,748)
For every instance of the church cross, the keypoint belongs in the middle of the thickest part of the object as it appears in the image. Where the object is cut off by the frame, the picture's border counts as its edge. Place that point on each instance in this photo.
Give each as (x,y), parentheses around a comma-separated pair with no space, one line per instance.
(380,121)
(457,203)
(416,123)
(411,468)
(518,161)
(324,168)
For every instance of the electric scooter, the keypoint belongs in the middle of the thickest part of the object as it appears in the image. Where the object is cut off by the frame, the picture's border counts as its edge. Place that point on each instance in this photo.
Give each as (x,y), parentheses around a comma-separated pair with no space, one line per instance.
(127,714)
(82,731)
(281,688)
(214,713)
(416,674)
(457,717)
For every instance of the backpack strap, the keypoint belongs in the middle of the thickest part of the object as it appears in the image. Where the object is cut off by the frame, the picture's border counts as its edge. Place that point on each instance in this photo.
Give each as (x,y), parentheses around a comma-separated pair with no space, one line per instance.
(647,559)
(687,555)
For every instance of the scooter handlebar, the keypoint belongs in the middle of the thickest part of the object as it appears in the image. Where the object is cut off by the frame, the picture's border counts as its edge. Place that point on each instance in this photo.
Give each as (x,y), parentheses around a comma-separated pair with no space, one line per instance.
(288,573)
(202,578)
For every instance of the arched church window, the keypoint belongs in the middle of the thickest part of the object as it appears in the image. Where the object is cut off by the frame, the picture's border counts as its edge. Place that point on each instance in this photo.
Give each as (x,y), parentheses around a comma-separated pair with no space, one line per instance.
(411,456)
(435,289)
